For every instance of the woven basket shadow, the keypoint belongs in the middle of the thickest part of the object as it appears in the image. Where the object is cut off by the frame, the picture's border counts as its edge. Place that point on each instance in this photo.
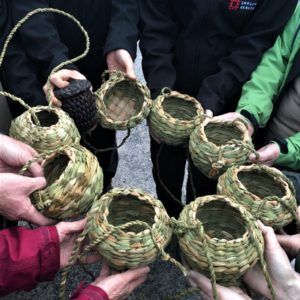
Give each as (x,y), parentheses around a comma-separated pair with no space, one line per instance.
(74,180)
(55,129)
(266,192)
(122,103)
(219,238)
(79,102)
(173,117)
(216,145)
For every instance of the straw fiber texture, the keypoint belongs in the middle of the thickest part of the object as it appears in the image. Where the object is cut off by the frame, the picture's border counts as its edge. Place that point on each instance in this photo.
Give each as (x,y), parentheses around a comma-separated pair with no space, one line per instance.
(122,102)
(266,192)
(216,145)
(74,181)
(173,117)
(220,239)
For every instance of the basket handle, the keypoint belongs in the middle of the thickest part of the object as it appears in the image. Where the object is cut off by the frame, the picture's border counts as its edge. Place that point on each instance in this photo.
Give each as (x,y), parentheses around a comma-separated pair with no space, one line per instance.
(165,91)
(108,74)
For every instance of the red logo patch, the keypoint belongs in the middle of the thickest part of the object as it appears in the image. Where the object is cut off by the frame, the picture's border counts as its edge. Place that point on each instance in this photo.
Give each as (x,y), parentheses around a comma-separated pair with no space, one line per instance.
(234,4)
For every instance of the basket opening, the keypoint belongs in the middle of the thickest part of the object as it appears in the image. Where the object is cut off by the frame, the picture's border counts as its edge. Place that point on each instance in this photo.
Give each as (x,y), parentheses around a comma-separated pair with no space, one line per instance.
(123,101)
(54,167)
(127,208)
(46,118)
(179,108)
(261,183)
(220,134)
(221,221)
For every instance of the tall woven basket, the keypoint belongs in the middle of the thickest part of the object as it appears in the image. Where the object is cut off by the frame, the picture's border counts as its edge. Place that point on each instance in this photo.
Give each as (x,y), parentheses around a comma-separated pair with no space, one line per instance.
(74,181)
(266,192)
(122,102)
(216,145)
(173,117)
(220,239)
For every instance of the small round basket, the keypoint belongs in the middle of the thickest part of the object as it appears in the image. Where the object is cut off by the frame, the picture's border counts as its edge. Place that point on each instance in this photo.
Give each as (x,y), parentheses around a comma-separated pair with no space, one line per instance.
(173,117)
(45,128)
(122,102)
(128,227)
(74,180)
(266,192)
(219,238)
(216,145)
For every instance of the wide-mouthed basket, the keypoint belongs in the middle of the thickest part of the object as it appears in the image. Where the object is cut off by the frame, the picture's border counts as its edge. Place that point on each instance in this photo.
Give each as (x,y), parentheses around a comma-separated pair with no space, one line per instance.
(219,238)
(139,242)
(216,145)
(264,191)
(173,117)
(122,102)
(55,129)
(74,180)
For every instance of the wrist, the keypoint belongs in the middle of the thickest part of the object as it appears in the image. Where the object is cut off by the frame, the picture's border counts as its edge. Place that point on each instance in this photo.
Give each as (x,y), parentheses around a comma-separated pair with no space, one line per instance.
(291,288)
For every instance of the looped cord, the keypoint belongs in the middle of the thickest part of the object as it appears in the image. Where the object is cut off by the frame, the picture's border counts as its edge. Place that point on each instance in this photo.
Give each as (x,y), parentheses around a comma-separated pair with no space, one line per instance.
(165,91)
(109,74)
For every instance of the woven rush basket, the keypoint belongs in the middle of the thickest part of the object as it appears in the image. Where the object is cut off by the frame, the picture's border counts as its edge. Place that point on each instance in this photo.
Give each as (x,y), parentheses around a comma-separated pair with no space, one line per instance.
(131,246)
(54,130)
(216,145)
(122,102)
(266,192)
(219,238)
(74,180)
(173,117)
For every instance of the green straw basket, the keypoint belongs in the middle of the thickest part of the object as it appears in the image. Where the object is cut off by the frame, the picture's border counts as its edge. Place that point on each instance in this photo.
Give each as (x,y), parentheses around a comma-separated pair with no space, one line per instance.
(219,238)
(173,117)
(122,102)
(216,145)
(266,192)
(74,180)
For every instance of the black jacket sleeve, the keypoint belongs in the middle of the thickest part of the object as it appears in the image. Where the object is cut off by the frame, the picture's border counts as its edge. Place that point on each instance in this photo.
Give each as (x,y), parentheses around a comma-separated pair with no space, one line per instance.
(246,52)
(123,29)
(39,37)
(157,43)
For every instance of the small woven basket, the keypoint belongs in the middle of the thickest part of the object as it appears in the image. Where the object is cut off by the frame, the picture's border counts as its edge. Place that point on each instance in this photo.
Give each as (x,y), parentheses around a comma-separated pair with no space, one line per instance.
(74,180)
(173,117)
(122,103)
(266,192)
(216,145)
(55,129)
(219,238)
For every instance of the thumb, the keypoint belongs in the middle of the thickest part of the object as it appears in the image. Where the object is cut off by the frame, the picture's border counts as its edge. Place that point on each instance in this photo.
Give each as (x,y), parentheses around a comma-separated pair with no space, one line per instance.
(130,70)
(66,228)
(33,184)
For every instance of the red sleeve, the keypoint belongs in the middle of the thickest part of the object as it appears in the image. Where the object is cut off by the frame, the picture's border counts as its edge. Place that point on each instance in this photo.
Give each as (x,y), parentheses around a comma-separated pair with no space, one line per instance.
(90,292)
(27,257)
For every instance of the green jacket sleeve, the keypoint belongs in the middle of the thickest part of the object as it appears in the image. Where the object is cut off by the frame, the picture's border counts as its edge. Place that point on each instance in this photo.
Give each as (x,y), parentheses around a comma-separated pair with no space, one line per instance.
(292,158)
(260,91)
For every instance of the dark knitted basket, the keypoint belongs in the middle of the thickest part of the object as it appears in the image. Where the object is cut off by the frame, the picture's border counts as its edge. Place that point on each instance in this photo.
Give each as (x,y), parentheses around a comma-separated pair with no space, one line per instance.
(79,102)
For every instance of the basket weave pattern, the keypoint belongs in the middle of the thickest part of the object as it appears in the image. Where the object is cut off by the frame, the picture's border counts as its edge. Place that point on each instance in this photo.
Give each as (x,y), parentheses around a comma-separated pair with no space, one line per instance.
(266,192)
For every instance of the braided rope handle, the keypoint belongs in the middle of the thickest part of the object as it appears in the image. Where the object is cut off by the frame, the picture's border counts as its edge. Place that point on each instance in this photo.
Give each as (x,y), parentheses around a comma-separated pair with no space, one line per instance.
(109,74)
(165,91)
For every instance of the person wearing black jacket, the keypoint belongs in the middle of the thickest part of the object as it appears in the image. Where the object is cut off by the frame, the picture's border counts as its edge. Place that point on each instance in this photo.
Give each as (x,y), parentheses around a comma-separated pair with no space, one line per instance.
(46,40)
(207,49)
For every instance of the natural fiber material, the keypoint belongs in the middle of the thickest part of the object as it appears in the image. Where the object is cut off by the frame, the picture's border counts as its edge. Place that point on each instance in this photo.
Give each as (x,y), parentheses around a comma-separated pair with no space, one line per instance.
(55,129)
(266,192)
(79,102)
(220,239)
(122,102)
(74,180)
(216,145)
(173,117)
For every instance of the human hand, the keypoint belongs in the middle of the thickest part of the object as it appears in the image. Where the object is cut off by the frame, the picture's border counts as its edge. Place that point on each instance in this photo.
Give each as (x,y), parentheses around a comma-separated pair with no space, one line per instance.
(60,79)
(285,280)
(15,203)
(14,155)
(198,280)
(267,154)
(121,60)
(120,286)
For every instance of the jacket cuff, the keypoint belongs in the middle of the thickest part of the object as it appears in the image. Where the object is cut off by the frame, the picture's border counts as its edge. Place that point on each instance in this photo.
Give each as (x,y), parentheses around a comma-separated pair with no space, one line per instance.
(209,102)
(110,46)
(91,292)
(251,119)
(58,59)
(50,255)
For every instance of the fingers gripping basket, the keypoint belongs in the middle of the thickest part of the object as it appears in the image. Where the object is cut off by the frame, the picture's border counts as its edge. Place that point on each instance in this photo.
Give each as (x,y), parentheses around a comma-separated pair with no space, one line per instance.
(219,238)
(216,145)
(74,180)
(122,102)
(266,192)
(173,117)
